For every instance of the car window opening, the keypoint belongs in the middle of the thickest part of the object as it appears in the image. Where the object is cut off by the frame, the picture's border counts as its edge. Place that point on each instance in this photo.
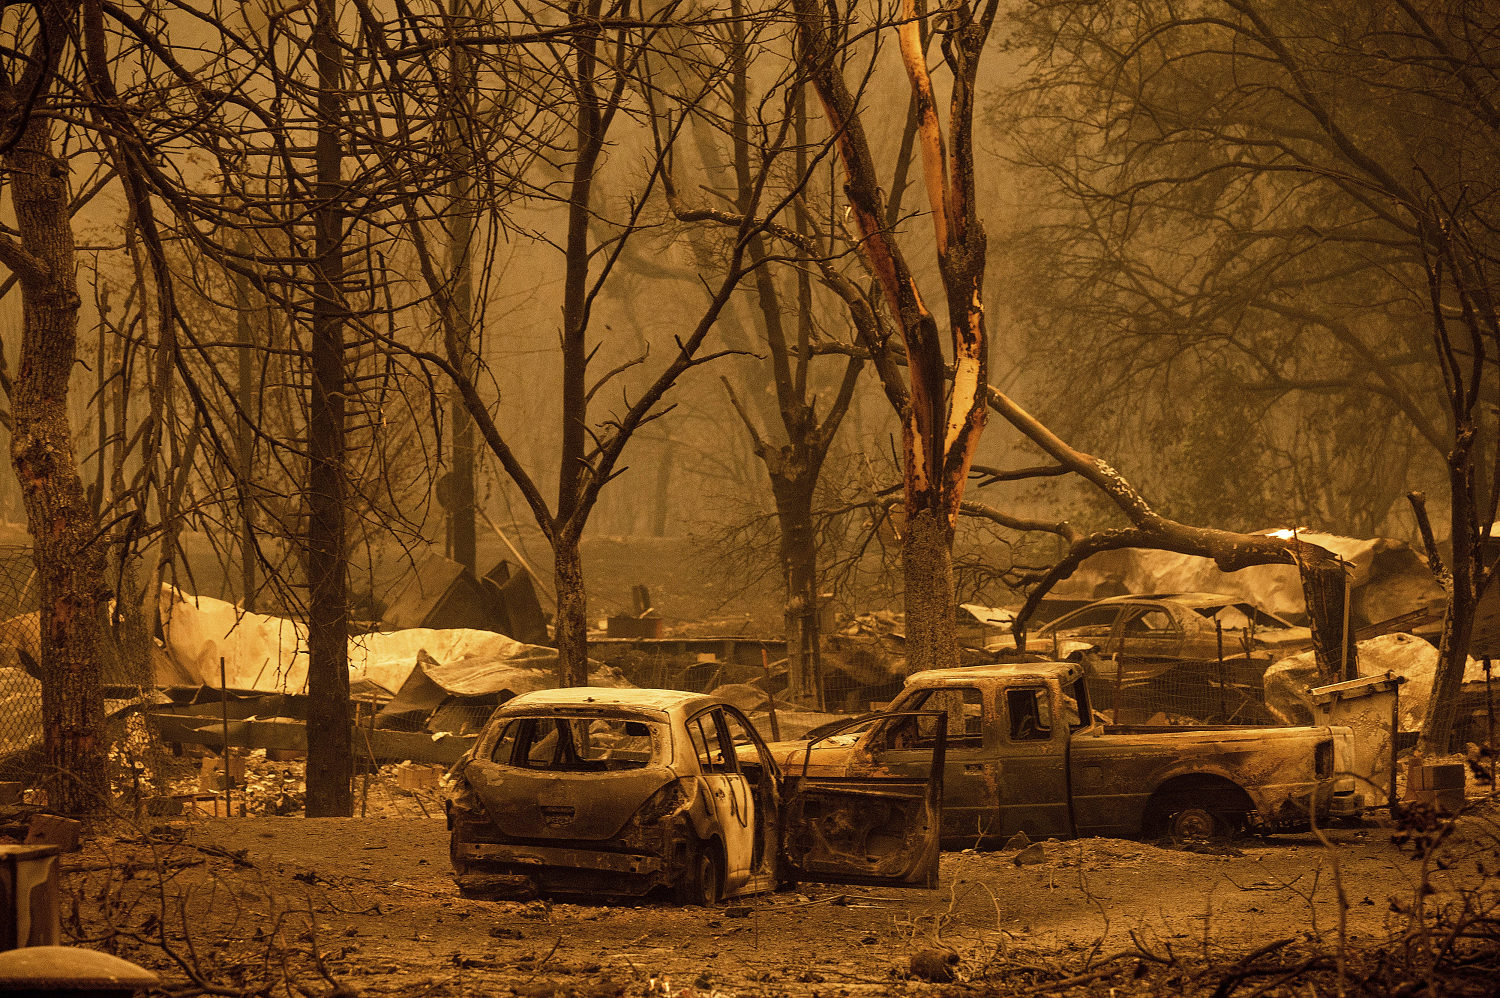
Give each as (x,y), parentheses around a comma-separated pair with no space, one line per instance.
(580,744)
(1030,715)
(964,706)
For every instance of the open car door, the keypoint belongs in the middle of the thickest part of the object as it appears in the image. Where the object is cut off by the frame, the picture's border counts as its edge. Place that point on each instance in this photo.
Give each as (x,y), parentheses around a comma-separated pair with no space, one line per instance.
(867,829)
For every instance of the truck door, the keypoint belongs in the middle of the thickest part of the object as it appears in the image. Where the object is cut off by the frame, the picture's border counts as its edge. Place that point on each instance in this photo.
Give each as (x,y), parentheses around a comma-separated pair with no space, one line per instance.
(1034,779)
(902,746)
(868,829)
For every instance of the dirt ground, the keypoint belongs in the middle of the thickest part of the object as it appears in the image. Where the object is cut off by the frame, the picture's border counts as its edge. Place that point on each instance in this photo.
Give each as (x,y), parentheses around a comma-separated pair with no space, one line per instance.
(345,906)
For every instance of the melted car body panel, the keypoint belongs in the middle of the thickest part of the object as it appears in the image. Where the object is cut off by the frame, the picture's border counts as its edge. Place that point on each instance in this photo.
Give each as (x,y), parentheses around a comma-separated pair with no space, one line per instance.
(870,827)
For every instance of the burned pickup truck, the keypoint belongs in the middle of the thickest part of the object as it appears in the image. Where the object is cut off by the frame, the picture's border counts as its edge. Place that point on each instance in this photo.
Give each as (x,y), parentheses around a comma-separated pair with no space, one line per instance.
(1025,754)
(621,792)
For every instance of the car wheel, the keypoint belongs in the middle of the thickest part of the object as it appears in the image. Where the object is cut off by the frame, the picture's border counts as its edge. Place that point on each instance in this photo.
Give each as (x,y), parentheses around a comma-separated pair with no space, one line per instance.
(702,883)
(1198,824)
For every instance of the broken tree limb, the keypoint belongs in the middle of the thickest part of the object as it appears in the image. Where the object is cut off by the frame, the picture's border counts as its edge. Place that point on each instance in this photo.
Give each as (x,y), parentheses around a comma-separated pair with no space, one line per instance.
(1322,572)
(983,511)
(1439,570)
(986,475)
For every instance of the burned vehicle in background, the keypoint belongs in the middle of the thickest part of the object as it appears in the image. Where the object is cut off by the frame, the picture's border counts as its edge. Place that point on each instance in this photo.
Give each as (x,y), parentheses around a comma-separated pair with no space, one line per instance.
(1026,753)
(1178,656)
(623,792)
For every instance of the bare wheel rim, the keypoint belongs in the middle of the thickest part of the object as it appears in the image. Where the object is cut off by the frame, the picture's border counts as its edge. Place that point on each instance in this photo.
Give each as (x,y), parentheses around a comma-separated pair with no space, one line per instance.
(1194,824)
(707,879)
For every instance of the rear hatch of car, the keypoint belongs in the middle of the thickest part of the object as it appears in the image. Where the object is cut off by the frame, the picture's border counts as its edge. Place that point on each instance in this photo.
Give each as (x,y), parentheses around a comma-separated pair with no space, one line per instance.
(572,776)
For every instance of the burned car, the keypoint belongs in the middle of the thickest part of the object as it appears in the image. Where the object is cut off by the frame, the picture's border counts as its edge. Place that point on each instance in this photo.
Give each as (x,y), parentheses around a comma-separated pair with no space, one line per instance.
(624,792)
(1198,656)
(1177,627)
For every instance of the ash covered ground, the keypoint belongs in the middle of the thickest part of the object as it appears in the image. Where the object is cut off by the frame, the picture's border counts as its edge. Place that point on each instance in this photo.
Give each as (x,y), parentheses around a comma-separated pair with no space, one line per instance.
(367,906)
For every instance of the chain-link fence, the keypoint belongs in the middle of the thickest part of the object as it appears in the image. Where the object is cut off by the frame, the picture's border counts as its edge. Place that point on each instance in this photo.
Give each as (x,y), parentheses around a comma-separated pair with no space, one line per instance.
(1126,691)
(138,762)
(20,692)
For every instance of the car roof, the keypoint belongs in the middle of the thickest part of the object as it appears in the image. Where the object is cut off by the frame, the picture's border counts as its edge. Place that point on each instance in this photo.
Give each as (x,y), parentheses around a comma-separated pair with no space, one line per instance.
(1192,601)
(999,670)
(1187,599)
(665,701)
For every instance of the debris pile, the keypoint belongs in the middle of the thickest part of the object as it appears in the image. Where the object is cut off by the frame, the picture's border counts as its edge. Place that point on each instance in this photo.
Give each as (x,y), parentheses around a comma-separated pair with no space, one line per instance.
(264,786)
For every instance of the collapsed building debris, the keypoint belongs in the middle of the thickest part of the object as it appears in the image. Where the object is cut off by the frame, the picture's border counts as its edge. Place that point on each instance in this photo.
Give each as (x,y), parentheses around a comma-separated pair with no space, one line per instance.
(230,677)
(1388,580)
(1287,682)
(440,593)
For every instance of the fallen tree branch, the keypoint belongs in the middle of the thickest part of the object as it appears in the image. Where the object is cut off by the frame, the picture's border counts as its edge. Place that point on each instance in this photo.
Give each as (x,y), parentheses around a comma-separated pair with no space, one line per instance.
(1322,572)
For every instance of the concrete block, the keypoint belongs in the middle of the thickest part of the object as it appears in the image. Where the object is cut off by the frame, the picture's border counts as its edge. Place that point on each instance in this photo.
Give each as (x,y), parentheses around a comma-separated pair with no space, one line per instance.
(211,775)
(1448,776)
(28,896)
(413,776)
(1416,777)
(53,830)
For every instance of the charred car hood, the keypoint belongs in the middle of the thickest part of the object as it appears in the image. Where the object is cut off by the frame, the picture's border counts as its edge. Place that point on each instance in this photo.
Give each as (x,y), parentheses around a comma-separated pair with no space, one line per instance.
(829,757)
(535,804)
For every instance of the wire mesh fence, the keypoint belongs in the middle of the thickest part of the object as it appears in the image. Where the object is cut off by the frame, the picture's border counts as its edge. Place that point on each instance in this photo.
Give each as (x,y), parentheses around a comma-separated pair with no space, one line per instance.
(20,691)
(139,763)
(1132,691)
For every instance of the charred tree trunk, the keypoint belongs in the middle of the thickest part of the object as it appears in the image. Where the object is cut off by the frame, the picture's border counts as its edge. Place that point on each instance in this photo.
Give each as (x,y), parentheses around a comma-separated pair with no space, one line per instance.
(794,467)
(571,634)
(799,570)
(461,535)
(1463,597)
(927,561)
(1465,334)
(940,427)
(330,768)
(245,440)
(570,629)
(101,392)
(69,560)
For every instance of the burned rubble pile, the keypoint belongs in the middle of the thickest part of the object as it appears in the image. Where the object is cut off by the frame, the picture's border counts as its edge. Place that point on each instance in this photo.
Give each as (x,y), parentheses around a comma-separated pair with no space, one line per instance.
(257,785)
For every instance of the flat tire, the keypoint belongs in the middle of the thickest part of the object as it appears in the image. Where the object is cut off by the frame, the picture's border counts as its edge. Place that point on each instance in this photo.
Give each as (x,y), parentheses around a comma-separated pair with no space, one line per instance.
(703,883)
(1197,824)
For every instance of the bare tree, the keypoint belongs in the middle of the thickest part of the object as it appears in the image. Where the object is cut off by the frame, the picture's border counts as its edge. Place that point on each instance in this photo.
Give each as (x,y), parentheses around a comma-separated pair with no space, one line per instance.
(604,58)
(330,756)
(778,398)
(278,218)
(1310,193)
(67,548)
(940,428)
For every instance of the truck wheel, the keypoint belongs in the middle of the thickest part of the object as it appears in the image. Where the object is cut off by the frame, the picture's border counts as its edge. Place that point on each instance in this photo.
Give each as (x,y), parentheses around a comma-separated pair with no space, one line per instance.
(786,879)
(702,882)
(1198,824)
